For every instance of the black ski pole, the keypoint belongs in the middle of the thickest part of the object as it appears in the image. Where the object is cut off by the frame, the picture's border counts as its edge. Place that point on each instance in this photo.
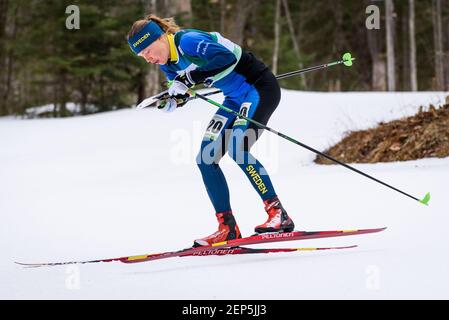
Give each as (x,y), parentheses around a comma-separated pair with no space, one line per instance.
(346,60)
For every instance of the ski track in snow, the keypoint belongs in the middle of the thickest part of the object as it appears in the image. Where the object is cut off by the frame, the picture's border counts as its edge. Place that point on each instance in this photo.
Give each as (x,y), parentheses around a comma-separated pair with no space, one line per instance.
(125,182)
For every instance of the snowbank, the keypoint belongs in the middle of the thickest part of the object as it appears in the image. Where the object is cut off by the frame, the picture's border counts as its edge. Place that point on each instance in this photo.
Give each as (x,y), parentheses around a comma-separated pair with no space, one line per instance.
(125,182)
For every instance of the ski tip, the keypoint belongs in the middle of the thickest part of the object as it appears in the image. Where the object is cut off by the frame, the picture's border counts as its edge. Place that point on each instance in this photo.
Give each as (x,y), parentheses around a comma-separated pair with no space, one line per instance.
(346,247)
(347,59)
(28,265)
(343,247)
(426,199)
(327,248)
(375,230)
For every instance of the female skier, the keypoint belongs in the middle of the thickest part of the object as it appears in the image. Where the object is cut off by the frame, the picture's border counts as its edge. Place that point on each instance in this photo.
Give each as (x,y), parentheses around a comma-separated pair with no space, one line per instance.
(189,57)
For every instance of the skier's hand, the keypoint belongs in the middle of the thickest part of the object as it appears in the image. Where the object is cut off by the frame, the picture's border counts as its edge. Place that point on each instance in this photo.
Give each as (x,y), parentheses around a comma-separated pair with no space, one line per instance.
(180,85)
(170,104)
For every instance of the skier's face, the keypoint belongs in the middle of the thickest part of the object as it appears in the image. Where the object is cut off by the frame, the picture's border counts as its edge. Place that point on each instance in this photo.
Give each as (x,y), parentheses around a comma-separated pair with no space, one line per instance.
(158,52)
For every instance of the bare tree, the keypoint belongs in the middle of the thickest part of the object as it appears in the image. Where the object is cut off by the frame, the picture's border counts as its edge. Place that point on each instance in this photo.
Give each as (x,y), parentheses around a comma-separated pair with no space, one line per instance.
(378,66)
(152,78)
(446,58)
(438,40)
(3,16)
(222,15)
(391,64)
(338,43)
(405,83)
(412,41)
(178,8)
(294,40)
(10,83)
(277,34)
(236,22)
(378,71)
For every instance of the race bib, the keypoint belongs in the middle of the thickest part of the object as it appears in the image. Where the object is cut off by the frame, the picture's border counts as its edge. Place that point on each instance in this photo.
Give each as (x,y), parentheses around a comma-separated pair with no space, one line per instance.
(244,111)
(216,125)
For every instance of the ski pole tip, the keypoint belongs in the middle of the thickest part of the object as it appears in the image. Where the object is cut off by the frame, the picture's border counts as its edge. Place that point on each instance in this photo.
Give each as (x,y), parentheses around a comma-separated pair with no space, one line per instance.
(426,199)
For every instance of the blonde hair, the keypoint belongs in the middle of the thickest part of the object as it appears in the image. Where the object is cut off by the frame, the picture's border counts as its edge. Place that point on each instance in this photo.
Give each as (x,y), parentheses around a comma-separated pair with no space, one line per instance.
(167,24)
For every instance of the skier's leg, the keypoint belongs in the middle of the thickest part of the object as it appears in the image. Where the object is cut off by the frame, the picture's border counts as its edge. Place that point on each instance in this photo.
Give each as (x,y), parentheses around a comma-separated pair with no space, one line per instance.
(259,105)
(213,147)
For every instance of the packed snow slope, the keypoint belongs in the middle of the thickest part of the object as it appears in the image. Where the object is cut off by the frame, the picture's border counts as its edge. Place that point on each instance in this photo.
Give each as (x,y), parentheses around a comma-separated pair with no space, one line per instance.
(126,183)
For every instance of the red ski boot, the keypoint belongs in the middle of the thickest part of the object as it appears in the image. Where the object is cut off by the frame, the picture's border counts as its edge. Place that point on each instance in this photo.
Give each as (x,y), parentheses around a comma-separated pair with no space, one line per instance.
(227,230)
(278,219)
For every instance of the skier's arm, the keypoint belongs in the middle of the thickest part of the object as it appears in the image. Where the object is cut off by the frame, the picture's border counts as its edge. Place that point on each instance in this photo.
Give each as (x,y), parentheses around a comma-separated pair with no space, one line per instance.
(200,45)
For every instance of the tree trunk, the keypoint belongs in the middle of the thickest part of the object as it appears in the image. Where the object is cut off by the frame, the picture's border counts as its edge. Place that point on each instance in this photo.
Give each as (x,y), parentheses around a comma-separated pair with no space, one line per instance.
(3,17)
(10,33)
(391,64)
(152,86)
(84,98)
(338,45)
(141,87)
(412,40)
(446,58)
(295,41)
(222,15)
(379,74)
(179,8)
(405,83)
(236,22)
(277,34)
(378,66)
(55,101)
(3,12)
(64,94)
(438,41)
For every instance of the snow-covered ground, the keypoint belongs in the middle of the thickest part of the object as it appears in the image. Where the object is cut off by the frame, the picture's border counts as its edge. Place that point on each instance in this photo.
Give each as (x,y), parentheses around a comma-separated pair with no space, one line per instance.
(75,109)
(126,182)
